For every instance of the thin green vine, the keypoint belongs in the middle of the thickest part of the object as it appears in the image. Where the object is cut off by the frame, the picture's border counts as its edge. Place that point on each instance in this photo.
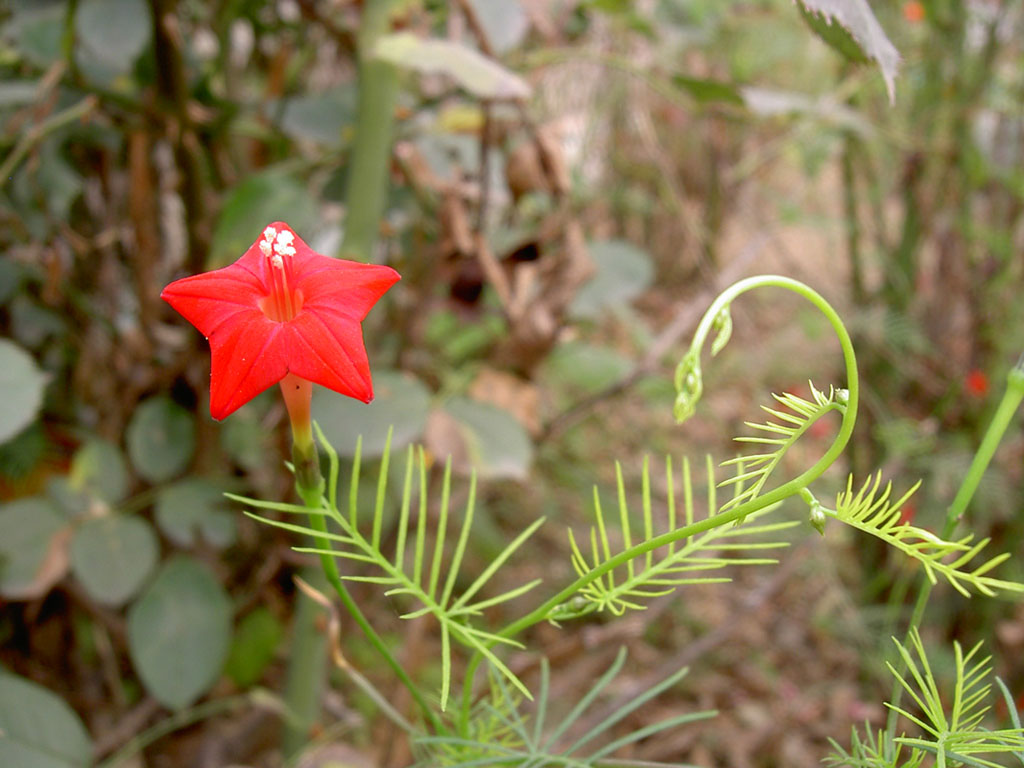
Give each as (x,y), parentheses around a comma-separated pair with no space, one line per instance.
(1007,408)
(312,496)
(689,386)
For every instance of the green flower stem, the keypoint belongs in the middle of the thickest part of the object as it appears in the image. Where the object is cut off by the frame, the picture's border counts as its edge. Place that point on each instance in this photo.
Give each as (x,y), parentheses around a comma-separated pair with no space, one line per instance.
(371,150)
(304,684)
(309,483)
(1012,398)
(780,493)
(311,493)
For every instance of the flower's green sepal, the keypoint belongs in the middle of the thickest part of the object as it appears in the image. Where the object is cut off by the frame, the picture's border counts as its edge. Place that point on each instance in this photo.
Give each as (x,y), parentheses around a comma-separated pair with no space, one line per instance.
(816,517)
(309,482)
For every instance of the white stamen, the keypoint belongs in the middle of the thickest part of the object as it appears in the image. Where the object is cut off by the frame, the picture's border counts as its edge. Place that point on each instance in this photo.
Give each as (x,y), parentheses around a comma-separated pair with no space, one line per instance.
(268,238)
(277,262)
(283,245)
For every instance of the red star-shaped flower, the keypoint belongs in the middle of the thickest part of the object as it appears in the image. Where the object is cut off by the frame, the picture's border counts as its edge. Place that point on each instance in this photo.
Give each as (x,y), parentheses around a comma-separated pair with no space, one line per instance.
(282,309)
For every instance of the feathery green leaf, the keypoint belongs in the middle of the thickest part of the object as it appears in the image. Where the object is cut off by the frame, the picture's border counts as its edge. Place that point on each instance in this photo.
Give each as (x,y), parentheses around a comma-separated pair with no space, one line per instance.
(954,731)
(419,581)
(660,571)
(753,471)
(869,509)
(497,732)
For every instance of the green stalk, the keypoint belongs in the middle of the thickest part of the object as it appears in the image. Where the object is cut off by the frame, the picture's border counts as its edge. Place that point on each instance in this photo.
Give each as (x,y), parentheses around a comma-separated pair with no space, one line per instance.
(1012,398)
(783,491)
(850,209)
(1008,406)
(367,190)
(307,663)
(311,493)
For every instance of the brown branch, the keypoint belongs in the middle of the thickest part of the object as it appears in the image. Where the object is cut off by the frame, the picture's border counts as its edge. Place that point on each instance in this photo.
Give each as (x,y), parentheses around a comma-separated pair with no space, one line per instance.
(477,27)
(343,37)
(486,132)
(172,83)
(124,730)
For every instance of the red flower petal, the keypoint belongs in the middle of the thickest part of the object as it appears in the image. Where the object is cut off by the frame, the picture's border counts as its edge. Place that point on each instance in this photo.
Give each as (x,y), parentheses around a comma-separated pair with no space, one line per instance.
(249,356)
(207,300)
(347,286)
(326,347)
(315,334)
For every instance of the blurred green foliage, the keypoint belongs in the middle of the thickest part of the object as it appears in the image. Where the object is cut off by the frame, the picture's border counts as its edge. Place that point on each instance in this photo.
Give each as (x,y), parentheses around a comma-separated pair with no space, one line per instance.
(545,246)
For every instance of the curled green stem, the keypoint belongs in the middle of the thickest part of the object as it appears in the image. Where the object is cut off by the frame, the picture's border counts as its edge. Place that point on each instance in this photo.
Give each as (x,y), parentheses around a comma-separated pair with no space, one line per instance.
(690,385)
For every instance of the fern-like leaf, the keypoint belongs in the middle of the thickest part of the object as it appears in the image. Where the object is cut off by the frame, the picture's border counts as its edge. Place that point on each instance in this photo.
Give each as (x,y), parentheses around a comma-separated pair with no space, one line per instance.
(659,571)
(425,575)
(875,750)
(526,744)
(954,732)
(776,438)
(869,509)
(953,729)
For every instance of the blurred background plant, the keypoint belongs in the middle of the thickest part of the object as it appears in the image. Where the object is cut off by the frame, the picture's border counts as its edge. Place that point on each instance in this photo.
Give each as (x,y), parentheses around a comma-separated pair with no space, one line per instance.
(563,186)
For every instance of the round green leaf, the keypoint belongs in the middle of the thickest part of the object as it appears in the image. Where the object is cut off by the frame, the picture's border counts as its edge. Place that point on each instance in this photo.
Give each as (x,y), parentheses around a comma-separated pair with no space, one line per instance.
(99,469)
(38,729)
(399,400)
(260,199)
(31,323)
(35,29)
(32,548)
(23,453)
(62,184)
(320,117)
(623,272)
(585,368)
(244,438)
(179,632)
(194,508)
(12,276)
(113,32)
(113,556)
(71,501)
(494,442)
(256,640)
(161,439)
(21,389)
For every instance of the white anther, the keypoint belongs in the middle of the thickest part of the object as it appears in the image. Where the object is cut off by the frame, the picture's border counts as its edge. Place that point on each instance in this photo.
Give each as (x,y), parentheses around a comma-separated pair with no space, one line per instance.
(277,262)
(283,245)
(267,242)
